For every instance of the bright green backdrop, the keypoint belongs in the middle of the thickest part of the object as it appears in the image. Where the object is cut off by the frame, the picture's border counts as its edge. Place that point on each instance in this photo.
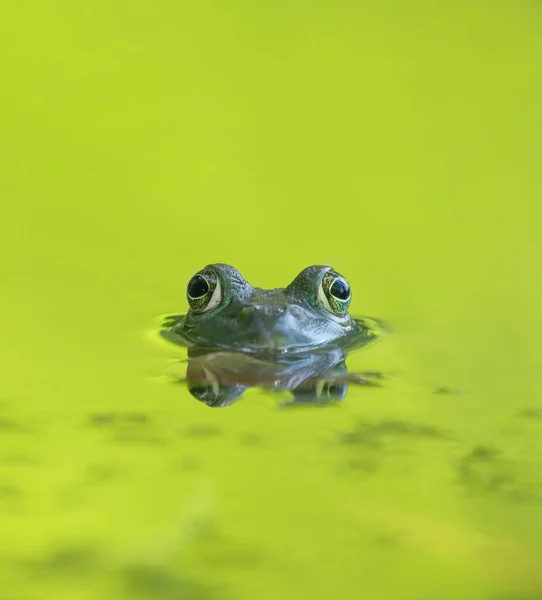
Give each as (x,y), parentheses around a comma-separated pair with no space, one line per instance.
(398,141)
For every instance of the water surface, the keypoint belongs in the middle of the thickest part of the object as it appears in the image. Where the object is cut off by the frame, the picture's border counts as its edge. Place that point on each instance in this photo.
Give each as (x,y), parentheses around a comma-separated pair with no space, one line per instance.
(142,141)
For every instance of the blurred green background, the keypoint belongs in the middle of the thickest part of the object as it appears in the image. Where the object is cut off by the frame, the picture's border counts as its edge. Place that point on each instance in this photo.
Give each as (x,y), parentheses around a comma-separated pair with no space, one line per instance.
(399,142)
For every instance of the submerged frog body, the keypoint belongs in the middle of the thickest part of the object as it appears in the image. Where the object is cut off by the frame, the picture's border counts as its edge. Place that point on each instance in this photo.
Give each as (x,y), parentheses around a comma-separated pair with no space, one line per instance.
(292,338)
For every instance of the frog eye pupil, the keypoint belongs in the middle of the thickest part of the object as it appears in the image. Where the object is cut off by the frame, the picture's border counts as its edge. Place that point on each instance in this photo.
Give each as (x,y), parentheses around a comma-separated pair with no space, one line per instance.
(204,292)
(334,293)
(198,287)
(340,289)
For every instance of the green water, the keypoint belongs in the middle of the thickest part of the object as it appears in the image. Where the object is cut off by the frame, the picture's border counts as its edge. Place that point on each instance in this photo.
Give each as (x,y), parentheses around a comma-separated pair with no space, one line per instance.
(399,142)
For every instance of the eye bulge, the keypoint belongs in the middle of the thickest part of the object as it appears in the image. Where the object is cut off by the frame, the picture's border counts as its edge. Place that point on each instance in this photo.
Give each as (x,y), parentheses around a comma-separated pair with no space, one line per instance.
(335,293)
(204,291)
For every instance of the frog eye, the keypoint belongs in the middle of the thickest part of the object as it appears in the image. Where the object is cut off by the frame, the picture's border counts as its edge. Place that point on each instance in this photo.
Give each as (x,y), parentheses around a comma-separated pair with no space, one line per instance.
(204,291)
(334,293)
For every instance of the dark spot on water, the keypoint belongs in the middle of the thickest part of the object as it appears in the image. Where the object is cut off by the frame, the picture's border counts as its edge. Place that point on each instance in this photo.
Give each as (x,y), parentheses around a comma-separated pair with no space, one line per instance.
(534,595)
(483,453)
(19,460)
(367,445)
(9,493)
(532,412)
(139,440)
(102,419)
(203,431)
(65,561)
(118,419)
(445,390)
(368,466)
(386,540)
(373,434)
(101,473)
(484,470)
(127,428)
(187,463)
(158,584)
(226,556)
(11,426)
(249,438)
(480,469)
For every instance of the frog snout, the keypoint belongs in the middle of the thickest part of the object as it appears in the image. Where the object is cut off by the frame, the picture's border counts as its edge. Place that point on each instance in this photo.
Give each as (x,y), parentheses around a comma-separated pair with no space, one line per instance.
(266,313)
(272,323)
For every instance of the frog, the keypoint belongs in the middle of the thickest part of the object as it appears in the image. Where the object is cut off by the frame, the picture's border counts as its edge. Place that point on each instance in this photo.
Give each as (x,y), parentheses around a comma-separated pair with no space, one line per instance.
(294,338)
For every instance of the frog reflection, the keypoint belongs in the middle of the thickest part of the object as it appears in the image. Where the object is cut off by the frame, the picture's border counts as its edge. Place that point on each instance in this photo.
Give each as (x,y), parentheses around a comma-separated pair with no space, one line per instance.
(219,378)
(294,338)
